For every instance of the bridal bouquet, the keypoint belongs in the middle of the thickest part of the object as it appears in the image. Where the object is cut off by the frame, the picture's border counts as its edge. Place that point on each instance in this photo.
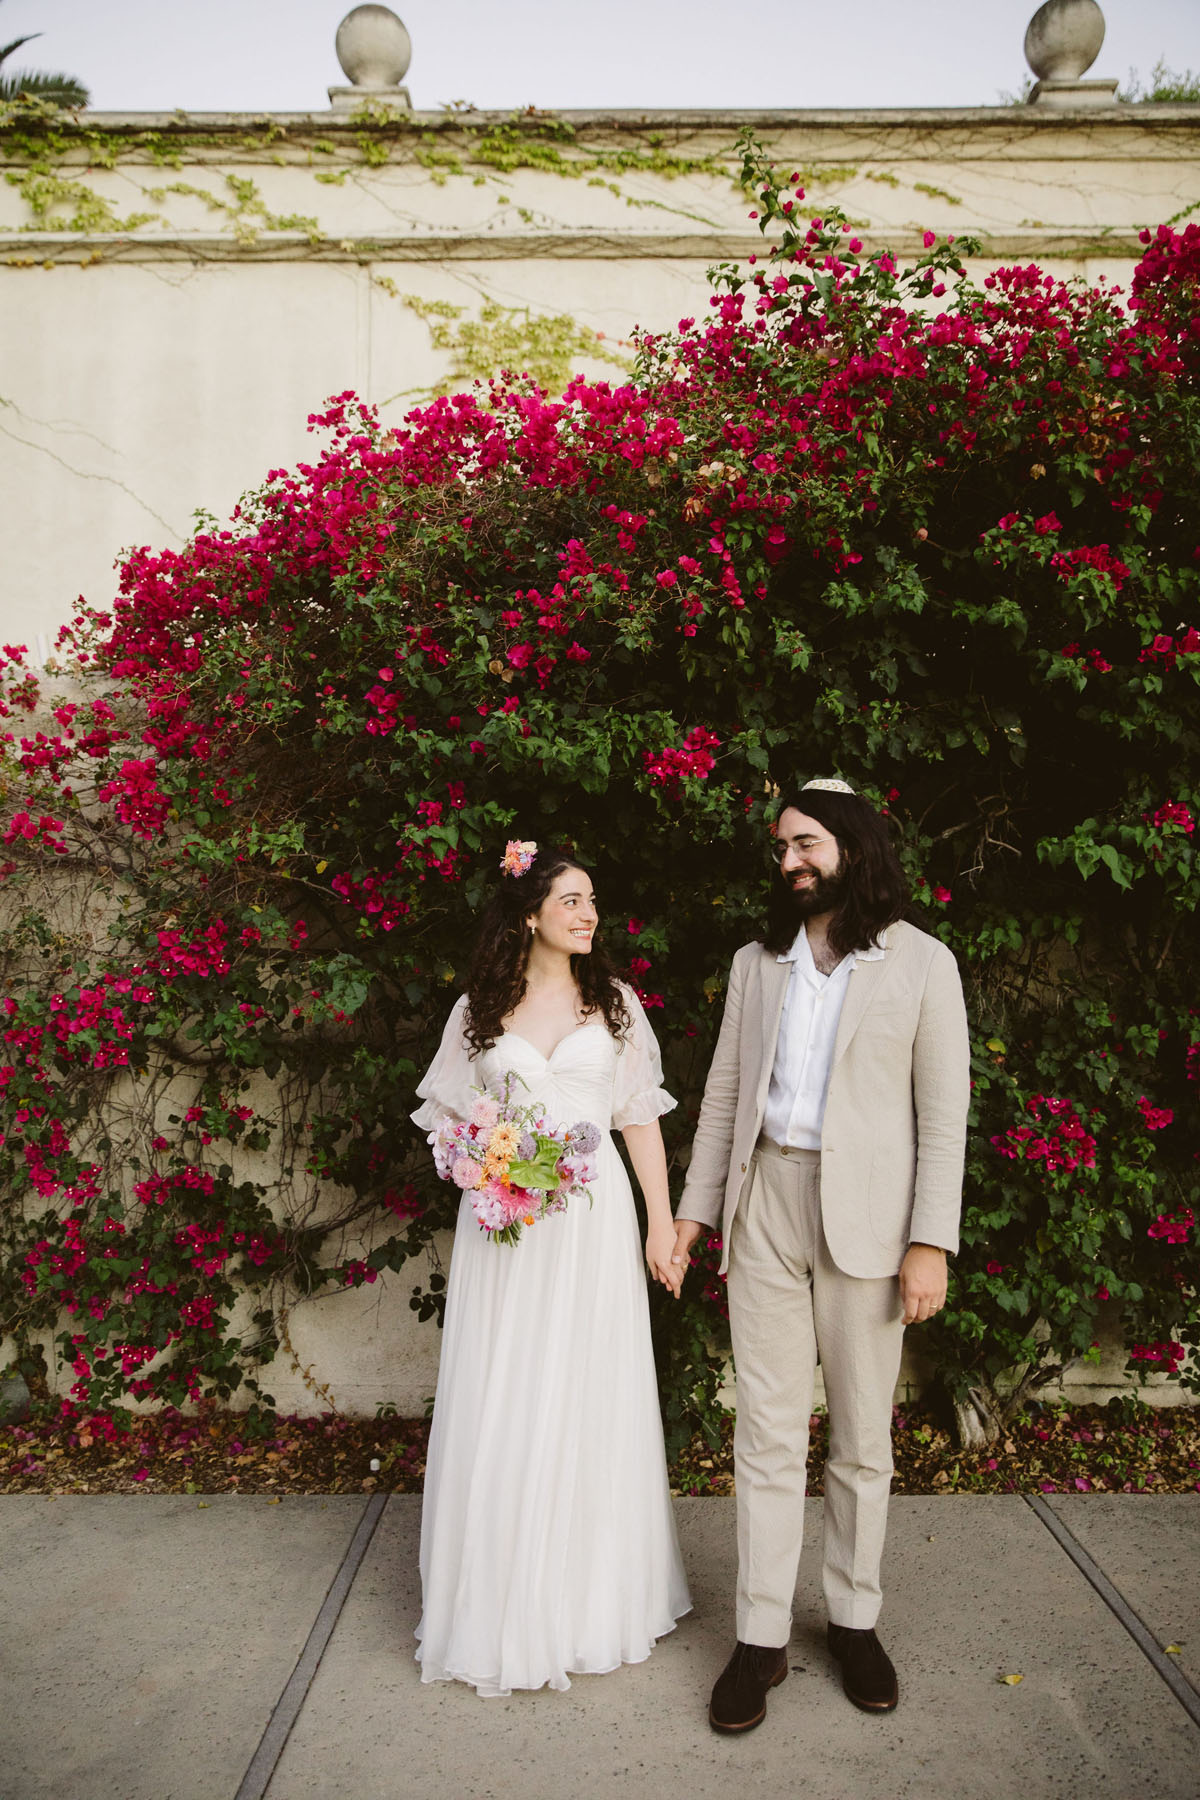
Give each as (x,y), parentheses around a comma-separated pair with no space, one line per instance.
(516,1165)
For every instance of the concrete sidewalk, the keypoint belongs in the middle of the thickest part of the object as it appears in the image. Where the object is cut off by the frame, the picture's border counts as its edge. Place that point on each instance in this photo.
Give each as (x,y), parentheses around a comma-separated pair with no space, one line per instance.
(171,1648)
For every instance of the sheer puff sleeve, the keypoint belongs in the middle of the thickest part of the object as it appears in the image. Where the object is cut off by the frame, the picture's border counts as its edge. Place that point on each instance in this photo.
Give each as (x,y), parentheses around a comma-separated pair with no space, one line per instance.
(638,1094)
(447,1085)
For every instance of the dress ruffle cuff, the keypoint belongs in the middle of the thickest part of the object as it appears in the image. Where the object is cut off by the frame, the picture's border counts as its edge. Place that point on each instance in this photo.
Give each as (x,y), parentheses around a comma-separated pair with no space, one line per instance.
(429,1116)
(644,1108)
(440,1100)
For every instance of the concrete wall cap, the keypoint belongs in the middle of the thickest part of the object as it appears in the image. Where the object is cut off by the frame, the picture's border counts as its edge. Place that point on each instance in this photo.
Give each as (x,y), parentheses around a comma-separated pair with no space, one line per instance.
(1007,122)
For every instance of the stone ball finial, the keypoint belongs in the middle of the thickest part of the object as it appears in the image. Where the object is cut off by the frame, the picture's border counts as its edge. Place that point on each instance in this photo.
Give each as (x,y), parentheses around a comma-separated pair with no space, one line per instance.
(1063,39)
(373,47)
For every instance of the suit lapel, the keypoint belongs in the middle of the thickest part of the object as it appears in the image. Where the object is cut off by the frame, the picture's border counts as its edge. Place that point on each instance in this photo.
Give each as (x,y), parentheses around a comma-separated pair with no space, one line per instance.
(864,982)
(775,978)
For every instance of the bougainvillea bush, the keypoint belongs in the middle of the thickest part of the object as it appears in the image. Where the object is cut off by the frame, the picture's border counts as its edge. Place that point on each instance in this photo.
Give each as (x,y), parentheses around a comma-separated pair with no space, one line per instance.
(938,538)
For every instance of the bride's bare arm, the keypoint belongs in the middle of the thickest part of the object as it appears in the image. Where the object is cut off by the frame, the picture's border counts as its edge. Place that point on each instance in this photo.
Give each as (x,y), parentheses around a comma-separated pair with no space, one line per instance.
(649,1159)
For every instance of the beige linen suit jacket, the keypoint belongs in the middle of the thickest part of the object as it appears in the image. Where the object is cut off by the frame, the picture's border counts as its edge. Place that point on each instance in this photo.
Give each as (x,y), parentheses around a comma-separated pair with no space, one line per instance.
(893,1137)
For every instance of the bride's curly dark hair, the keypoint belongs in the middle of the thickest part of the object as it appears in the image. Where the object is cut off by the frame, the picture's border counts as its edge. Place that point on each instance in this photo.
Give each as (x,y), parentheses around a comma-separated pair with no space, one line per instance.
(496,983)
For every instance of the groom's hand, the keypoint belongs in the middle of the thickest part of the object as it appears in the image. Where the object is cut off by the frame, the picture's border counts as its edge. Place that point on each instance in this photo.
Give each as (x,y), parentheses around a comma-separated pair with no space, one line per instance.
(922,1282)
(686,1233)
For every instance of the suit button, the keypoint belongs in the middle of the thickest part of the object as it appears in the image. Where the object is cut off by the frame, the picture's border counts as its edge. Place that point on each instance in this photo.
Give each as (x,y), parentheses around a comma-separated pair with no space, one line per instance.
(743,1168)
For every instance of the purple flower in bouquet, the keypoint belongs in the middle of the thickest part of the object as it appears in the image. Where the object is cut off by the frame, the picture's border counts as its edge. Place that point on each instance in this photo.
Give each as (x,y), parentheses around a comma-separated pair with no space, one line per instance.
(584,1138)
(488,1203)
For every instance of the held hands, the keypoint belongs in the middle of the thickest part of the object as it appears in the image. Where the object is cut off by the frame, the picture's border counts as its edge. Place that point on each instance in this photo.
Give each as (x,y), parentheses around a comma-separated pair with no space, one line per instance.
(687,1231)
(922,1282)
(660,1257)
(668,1251)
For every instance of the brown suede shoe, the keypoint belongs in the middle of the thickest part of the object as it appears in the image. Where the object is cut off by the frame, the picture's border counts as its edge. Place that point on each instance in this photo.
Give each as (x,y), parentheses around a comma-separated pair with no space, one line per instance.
(867,1673)
(739,1699)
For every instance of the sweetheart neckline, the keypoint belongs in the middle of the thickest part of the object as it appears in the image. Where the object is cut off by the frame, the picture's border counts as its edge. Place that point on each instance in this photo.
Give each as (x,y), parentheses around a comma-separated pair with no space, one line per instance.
(586,1026)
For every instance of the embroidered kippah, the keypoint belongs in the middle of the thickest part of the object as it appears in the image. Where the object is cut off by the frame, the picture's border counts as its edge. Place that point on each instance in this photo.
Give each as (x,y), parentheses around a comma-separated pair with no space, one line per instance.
(518,856)
(829,784)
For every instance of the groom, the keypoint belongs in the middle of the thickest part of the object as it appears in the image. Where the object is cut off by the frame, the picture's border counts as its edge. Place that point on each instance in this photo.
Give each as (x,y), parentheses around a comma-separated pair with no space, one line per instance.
(829,1152)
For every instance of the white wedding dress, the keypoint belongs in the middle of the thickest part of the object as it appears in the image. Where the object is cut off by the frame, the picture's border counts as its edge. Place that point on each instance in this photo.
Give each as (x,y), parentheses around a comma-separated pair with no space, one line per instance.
(548,1544)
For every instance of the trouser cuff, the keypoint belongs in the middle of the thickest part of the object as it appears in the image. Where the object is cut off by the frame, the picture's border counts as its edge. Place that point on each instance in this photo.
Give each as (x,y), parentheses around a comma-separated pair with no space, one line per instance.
(854,1615)
(768,1626)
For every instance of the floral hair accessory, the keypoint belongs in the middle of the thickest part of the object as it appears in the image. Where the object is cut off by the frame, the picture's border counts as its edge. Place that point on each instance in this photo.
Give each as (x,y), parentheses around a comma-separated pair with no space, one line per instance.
(829,784)
(518,856)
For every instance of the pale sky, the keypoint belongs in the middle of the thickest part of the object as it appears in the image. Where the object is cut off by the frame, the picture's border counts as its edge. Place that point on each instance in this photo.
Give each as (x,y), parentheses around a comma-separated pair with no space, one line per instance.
(278,56)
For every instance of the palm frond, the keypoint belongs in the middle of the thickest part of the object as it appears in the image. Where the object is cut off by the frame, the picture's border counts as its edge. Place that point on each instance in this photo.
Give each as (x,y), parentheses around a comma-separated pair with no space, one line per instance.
(6,50)
(63,88)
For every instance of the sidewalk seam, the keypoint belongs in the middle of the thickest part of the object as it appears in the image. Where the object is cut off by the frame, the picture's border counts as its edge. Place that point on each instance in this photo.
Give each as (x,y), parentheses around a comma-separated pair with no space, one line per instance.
(286,1711)
(1117,1604)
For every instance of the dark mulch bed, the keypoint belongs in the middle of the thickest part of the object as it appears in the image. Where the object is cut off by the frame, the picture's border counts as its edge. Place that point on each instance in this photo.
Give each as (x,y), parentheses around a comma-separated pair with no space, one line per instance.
(1122,1448)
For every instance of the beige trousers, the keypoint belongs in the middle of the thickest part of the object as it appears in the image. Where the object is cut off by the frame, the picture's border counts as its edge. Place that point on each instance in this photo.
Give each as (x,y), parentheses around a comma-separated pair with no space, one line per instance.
(789,1303)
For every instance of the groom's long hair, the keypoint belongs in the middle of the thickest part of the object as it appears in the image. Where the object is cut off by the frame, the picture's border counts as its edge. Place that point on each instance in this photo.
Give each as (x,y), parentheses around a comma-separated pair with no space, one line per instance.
(876,888)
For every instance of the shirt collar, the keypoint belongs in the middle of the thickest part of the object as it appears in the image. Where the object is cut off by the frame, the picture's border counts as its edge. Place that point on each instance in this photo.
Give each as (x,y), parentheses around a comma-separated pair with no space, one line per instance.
(795,954)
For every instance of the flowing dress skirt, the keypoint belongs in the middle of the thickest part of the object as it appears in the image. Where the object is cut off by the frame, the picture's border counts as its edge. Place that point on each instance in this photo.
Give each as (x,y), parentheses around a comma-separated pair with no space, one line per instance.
(548,1543)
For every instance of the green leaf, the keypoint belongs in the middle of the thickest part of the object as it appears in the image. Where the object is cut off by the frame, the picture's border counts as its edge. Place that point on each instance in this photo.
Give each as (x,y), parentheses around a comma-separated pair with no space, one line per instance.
(540,1172)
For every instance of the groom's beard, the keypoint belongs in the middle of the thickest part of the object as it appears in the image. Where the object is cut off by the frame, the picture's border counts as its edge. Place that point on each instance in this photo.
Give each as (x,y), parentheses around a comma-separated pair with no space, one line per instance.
(824,894)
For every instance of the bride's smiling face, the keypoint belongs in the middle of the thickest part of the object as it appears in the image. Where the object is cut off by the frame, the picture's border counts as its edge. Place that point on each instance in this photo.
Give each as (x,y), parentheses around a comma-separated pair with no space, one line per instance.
(567,918)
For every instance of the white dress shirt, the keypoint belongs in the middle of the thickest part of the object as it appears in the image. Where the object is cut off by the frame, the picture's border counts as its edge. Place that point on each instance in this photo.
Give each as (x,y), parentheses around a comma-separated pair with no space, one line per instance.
(804,1053)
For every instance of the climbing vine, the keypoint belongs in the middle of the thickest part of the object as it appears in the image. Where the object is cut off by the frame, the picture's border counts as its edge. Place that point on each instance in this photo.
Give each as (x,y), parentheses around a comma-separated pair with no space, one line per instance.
(43,140)
(55,153)
(545,346)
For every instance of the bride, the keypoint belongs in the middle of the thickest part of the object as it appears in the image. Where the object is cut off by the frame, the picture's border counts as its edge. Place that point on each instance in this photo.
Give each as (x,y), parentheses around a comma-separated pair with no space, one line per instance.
(548,1543)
